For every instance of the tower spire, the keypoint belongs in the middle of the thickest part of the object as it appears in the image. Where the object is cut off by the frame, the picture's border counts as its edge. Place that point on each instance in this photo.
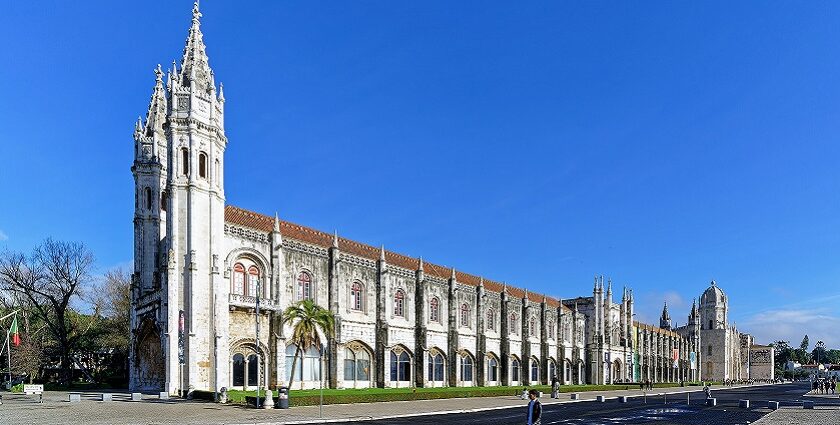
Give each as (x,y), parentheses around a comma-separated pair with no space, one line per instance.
(194,64)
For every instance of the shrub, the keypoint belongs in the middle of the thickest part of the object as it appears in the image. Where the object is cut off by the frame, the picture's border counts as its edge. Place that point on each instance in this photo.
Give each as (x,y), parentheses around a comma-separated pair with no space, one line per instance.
(17,388)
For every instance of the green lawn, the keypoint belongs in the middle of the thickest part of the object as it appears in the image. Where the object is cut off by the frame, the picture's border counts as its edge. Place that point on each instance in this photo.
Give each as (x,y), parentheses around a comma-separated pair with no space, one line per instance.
(369,395)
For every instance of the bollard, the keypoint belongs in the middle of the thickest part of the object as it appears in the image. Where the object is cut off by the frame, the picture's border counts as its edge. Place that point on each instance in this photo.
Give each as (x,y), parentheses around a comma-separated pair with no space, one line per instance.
(269,400)
(773,405)
(744,404)
(163,395)
(807,404)
(136,397)
(106,397)
(622,399)
(600,398)
(74,397)
(711,402)
(575,396)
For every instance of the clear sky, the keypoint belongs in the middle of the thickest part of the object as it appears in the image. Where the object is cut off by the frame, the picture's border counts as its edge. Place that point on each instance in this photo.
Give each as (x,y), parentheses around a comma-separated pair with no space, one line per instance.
(539,143)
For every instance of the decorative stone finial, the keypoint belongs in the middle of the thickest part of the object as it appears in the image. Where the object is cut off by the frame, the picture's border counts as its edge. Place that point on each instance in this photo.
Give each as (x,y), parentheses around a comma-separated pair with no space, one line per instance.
(159,73)
(222,92)
(335,239)
(420,264)
(382,253)
(276,222)
(196,13)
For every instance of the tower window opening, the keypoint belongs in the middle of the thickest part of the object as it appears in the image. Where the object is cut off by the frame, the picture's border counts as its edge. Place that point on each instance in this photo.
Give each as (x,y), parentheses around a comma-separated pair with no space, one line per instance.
(185,162)
(202,165)
(148,195)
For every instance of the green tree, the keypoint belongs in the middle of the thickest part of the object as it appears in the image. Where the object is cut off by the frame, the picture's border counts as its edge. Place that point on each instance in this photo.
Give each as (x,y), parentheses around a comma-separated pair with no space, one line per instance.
(312,325)
(804,344)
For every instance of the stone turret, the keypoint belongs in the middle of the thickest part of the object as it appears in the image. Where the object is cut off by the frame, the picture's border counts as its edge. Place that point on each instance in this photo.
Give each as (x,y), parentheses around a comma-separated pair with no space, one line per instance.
(665,319)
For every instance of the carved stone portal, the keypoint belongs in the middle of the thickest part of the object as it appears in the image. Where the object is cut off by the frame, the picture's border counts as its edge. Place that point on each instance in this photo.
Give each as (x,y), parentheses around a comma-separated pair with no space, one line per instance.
(149,362)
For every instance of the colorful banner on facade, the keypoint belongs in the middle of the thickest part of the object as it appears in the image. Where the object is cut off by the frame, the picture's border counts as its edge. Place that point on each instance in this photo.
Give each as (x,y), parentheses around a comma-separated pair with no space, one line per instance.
(675,356)
(692,359)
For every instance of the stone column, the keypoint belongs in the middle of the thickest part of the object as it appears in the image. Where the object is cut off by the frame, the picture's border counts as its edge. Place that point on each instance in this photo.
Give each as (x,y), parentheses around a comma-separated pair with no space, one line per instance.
(381,321)
(420,326)
(504,343)
(480,337)
(452,340)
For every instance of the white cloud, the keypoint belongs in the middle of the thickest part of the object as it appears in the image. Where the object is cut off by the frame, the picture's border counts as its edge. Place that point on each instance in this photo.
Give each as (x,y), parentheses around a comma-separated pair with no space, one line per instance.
(3,236)
(793,324)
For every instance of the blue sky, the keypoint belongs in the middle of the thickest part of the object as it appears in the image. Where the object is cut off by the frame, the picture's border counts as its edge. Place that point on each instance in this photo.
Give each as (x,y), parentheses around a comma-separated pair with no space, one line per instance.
(661,144)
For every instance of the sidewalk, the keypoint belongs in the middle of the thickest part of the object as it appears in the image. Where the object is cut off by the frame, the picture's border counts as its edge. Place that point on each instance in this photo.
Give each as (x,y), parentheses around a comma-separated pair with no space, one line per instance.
(56,409)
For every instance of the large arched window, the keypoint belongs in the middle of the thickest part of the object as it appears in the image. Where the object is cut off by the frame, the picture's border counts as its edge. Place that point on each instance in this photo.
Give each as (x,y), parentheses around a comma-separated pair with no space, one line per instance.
(304,289)
(356,365)
(356,296)
(465,315)
(512,324)
(253,370)
(491,319)
(466,368)
(202,165)
(551,329)
(535,370)
(552,369)
(434,310)
(492,369)
(400,366)
(399,303)
(253,281)
(238,370)
(436,366)
(532,327)
(308,365)
(514,369)
(239,279)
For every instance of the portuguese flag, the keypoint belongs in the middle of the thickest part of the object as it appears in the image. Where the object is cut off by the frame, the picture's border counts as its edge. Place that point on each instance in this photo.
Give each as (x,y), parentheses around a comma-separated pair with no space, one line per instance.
(14,331)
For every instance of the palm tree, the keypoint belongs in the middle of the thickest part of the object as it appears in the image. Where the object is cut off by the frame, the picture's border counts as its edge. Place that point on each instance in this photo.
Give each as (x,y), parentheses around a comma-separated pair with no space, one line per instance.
(311,324)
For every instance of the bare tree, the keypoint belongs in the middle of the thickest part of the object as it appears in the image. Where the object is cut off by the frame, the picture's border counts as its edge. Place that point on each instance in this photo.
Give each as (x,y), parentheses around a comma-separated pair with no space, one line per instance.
(50,277)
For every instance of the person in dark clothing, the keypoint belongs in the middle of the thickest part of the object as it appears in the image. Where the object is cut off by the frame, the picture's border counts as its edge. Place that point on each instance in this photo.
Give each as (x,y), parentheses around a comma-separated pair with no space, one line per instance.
(534,412)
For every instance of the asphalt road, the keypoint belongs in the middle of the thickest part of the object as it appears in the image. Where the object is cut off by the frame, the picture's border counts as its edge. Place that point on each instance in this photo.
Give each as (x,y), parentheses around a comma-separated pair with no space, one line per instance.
(641,411)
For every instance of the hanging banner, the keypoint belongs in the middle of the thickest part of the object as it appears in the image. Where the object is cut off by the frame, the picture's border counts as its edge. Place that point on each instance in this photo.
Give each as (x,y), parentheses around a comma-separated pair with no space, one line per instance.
(181,359)
(692,359)
(675,356)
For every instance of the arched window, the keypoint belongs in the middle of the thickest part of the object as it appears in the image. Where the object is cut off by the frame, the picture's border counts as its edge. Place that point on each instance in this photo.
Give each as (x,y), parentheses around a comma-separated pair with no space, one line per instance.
(400,366)
(535,370)
(434,310)
(465,315)
(239,279)
(514,369)
(185,162)
(147,194)
(551,329)
(253,281)
(356,296)
(356,365)
(491,319)
(202,165)
(436,367)
(512,325)
(552,369)
(217,172)
(399,303)
(238,370)
(532,327)
(164,199)
(304,286)
(308,365)
(466,368)
(492,369)
(253,370)
(291,352)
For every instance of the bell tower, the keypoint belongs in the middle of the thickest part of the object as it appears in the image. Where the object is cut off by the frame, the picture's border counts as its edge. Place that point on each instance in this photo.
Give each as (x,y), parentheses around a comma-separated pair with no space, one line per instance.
(179,161)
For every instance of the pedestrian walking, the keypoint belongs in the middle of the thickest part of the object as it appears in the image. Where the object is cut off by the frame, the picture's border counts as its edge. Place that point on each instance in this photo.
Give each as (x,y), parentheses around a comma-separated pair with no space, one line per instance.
(555,387)
(524,394)
(534,409)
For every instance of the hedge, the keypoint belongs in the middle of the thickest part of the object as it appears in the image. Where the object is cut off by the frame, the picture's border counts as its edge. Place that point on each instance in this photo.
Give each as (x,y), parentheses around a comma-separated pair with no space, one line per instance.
(371,395)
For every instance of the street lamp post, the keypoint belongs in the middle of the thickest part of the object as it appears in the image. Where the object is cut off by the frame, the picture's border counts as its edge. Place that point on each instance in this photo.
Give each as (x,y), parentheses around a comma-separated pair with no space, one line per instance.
(257,342)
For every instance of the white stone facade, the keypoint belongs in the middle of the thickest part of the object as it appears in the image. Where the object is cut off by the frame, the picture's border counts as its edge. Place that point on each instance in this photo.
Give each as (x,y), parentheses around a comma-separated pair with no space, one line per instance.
(207,275)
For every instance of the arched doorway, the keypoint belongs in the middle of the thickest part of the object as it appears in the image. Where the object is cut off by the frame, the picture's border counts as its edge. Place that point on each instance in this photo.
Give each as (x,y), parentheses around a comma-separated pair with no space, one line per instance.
(148,358)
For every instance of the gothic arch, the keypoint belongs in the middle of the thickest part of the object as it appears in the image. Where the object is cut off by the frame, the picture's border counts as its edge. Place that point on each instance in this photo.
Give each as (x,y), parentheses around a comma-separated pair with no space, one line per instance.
(252,254)
(149,357)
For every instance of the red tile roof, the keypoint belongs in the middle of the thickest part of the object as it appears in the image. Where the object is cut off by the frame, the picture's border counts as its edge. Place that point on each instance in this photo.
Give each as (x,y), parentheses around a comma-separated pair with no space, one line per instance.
(265,223)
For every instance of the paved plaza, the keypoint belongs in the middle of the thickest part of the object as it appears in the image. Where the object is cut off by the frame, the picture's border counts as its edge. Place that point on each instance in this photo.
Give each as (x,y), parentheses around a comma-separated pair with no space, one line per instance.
(19,409)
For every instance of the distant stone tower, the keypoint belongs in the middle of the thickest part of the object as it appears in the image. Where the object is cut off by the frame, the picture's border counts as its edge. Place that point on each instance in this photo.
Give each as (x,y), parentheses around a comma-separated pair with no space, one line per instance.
(665,319)
(713,308)
(179,296)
